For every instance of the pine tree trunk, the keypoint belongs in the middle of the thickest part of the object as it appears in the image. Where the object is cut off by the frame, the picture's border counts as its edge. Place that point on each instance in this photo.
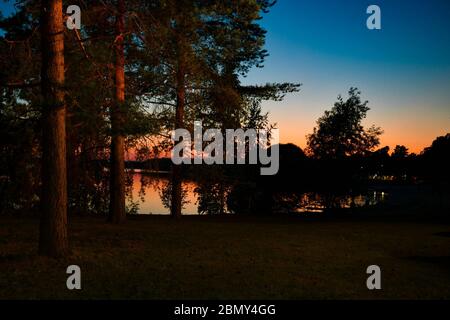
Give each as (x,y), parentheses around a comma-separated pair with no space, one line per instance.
(117,172)
(53,240)
(176,201)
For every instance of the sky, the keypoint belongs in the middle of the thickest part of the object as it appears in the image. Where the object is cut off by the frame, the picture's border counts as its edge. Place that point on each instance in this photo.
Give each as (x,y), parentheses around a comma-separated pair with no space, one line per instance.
(403,70)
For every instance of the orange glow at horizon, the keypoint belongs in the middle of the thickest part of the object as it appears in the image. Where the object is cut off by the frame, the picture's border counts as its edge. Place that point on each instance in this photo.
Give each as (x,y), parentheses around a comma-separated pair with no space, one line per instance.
(414,127)
(415,134)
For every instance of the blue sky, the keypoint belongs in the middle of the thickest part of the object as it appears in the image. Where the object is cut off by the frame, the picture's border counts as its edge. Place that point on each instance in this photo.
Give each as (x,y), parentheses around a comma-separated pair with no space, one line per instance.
(402,69)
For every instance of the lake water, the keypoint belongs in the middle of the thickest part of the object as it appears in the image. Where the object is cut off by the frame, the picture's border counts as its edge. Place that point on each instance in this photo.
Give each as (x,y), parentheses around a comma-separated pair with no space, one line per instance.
(148,191)
(148,194)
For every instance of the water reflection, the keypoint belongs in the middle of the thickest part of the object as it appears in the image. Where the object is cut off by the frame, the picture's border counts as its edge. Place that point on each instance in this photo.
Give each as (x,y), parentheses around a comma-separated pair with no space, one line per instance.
(313,202)
(151,193)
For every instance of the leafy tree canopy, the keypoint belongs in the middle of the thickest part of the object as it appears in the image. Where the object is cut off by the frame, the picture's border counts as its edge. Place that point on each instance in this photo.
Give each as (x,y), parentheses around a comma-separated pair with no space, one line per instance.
(340,133)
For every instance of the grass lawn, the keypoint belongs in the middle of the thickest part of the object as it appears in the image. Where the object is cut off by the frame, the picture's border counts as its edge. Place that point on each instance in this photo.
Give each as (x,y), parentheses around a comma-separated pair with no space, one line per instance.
(230,258)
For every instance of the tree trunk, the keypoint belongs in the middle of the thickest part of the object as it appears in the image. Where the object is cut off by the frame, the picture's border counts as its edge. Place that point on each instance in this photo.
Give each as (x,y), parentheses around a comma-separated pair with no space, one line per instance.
(53,240)
(176,201)
(117,172)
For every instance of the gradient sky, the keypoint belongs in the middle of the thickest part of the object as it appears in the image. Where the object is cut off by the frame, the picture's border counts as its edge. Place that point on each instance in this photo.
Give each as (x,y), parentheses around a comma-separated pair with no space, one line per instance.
(403,69)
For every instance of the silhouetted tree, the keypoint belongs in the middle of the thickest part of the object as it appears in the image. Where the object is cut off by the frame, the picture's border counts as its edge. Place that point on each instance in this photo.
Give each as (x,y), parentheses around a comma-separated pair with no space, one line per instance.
(400,152)
(437,159)
(439,149)
(340,133)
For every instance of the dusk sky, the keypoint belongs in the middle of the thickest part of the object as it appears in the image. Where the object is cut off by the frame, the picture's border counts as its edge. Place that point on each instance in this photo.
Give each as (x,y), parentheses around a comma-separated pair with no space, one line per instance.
(403,69)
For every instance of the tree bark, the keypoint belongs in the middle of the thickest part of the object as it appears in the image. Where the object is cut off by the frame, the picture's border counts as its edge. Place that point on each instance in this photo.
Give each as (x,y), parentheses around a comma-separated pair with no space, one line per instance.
(117,184)
(176,201)
(53,239)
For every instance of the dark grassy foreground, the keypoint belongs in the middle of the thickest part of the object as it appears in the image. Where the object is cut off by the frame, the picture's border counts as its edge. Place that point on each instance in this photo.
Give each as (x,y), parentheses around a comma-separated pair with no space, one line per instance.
(230,258)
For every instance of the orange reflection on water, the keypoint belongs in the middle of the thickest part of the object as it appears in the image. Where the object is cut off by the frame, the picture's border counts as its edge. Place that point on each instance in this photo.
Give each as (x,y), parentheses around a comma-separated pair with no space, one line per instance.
(148,188)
